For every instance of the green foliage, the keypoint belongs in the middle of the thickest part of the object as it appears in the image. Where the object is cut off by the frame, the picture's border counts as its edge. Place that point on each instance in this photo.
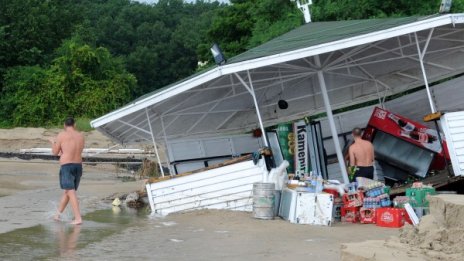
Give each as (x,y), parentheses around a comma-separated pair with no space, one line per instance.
(82,81)
(247,23)
(87,57)
(83,124)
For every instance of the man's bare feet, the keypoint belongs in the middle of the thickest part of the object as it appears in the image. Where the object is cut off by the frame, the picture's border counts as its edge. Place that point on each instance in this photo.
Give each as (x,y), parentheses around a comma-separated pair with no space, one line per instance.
(56,217)
(76,222)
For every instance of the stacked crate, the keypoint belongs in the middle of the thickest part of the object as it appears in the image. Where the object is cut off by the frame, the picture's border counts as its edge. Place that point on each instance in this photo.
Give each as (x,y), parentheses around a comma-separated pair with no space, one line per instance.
(418,199)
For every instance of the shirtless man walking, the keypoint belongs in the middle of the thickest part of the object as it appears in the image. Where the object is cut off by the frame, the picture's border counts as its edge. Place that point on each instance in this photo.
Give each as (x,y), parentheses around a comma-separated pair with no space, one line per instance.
(361,156)
(69,145)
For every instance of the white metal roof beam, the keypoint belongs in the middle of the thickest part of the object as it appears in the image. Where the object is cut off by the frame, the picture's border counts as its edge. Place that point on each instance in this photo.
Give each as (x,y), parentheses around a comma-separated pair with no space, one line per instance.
(353,51)
(130,129)
(133,126)
(360,67)
(412,57)
(226,120)
(400,47)
(206,113)
(302,75)
(408,76)
(135,134)
(170,123)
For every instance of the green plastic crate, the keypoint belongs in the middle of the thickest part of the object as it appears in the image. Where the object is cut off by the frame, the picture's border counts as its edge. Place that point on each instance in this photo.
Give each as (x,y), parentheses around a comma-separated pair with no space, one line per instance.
(386,190)
(418,196)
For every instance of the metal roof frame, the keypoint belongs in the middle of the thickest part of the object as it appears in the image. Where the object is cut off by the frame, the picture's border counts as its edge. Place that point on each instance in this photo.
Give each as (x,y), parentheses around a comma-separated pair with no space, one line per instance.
(386,56)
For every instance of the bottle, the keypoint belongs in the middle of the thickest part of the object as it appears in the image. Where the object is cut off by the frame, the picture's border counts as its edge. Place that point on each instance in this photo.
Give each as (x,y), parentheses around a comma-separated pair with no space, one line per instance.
(419,136)
(407,126)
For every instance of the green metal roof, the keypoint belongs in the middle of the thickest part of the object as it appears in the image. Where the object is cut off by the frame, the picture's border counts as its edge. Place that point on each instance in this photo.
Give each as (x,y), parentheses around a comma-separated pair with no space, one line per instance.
(316,33)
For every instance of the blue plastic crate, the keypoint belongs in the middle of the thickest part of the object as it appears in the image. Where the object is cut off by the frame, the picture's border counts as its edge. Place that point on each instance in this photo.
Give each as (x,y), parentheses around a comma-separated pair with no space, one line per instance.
(374,192)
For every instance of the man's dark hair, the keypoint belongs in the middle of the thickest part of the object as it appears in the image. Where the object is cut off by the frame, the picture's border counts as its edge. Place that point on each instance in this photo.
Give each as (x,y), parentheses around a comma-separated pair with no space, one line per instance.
(357,132)
(69,122)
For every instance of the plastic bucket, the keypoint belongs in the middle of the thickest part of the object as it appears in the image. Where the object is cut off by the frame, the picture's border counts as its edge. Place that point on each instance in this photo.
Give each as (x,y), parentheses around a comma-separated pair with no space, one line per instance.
(263,200)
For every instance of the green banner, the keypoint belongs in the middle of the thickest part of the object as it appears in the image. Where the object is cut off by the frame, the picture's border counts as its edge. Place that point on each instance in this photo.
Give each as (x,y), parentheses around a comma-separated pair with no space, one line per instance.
(287,144)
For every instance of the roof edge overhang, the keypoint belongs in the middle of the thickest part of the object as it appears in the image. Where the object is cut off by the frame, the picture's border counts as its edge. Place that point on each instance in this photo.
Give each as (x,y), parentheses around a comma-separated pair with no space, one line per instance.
(217,72)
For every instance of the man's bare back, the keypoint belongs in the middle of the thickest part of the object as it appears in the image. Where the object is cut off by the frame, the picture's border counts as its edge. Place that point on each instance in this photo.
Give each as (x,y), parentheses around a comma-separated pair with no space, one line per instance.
(361,153)
(70,143)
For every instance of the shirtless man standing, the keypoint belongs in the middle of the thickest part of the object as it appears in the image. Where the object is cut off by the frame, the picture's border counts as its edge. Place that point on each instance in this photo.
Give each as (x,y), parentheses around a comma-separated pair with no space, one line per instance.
(361,156)
(69,145)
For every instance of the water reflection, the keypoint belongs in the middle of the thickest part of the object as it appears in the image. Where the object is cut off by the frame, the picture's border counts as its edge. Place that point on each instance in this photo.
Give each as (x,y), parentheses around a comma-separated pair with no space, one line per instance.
(61,241)
(68,237)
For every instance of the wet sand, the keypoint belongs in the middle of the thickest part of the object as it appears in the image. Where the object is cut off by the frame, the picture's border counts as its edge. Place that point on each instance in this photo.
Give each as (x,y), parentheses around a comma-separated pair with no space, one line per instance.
(30,189)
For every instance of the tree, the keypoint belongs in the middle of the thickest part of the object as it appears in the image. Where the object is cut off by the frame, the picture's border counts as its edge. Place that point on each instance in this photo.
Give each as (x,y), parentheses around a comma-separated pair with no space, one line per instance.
(30,30)
(247,23)
(82,81)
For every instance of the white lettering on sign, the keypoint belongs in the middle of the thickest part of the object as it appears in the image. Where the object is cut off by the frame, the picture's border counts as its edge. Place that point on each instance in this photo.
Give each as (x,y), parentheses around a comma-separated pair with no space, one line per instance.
(301,149)
(381,114)
(387,217)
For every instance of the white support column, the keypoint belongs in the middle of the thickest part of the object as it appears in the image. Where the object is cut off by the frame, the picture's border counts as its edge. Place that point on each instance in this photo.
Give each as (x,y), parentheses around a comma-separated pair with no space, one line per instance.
(333,130)
(154,143)
(171,171)
(424,74)
(253,95)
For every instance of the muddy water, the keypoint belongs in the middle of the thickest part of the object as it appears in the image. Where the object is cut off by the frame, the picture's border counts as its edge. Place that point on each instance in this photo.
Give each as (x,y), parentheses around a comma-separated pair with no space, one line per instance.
(60,241)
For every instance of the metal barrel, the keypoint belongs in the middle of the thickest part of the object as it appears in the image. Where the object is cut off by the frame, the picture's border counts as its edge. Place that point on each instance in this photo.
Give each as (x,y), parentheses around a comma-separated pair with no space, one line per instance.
(263,200)
(277,194)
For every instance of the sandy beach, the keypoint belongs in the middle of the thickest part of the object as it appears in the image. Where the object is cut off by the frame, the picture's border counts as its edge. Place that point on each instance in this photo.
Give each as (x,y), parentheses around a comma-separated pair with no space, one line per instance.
(29,191)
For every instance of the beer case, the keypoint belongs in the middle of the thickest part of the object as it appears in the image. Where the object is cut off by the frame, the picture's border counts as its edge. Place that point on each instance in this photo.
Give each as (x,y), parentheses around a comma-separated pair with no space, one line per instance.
(367,215)
(391,217)
(353,199)
(350,214)
(418,196)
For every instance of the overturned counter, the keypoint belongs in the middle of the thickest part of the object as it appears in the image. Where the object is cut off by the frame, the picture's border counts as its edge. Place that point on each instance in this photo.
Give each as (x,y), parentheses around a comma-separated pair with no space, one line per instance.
(227,185)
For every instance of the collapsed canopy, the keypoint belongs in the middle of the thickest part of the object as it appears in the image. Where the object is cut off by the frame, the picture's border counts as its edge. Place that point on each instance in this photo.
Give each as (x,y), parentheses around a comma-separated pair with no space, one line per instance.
(361,60)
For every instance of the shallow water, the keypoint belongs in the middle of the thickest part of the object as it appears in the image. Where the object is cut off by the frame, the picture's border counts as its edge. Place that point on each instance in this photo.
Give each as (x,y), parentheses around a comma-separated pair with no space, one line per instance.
(60,240)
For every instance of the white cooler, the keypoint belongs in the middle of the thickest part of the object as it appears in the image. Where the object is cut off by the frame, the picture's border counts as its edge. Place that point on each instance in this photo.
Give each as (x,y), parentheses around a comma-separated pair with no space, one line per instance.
(306,208)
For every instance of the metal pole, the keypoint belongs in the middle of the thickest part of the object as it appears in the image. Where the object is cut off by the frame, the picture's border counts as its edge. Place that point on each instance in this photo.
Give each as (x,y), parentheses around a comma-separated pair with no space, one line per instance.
(424,75)
(154,143)
(333,130)
(252,92)
(171,171)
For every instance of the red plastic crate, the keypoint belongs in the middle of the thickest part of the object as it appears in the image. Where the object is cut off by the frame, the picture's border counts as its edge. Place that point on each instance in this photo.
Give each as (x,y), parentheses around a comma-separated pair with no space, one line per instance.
(334,192)
(353,199)
(367,215)
(391,217)
(350,214)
